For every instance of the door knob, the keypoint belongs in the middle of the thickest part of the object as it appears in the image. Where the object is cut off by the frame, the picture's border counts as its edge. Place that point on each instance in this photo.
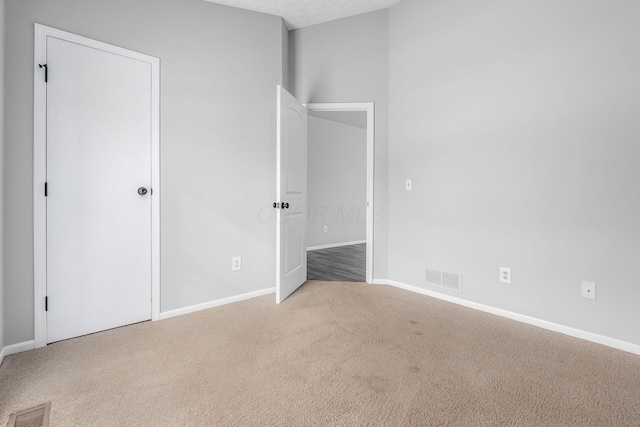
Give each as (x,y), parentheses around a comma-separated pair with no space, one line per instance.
(285,206)
(142,191)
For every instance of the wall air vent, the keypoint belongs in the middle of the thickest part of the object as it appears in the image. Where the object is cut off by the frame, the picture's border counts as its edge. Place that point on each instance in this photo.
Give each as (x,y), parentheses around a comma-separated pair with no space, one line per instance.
(444,280)
(434,277)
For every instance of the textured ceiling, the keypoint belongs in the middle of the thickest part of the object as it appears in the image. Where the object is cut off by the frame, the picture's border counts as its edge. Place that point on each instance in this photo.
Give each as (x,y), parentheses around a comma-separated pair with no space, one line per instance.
(303,13)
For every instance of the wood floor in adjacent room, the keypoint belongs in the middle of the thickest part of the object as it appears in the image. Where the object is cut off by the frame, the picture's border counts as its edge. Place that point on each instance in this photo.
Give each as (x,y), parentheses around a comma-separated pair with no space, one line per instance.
(333,354)
(341,264)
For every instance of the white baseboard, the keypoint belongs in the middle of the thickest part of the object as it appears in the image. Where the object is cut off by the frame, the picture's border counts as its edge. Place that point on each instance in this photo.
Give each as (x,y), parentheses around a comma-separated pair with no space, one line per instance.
(217,303)
(576,333)
(30,345)
(335,245)
(16,348)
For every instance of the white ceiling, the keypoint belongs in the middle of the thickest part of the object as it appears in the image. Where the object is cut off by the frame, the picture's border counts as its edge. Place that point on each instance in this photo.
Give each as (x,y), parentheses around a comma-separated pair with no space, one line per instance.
(303,13)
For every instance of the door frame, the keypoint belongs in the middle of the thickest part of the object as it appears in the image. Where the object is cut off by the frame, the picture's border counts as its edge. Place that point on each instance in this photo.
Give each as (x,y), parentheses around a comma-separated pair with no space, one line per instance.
(41,33)
(369,108)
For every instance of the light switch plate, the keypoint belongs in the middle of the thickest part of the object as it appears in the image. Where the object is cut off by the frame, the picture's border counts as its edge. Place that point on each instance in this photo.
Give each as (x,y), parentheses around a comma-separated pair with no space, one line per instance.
(409,185)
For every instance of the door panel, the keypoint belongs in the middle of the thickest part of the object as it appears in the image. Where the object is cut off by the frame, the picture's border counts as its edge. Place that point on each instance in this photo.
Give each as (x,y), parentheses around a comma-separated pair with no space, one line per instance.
(291,234)
(295,170)
(293,240)
(99,113)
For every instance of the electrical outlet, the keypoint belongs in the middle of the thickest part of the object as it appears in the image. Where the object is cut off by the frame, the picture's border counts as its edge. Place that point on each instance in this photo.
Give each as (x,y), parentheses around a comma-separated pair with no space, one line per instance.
(236,263)
(326,229)
(589,290)
(409,185)
(505,275)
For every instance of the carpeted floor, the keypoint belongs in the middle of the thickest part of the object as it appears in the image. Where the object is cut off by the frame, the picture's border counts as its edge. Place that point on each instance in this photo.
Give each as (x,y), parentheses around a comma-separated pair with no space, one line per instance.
(333,354)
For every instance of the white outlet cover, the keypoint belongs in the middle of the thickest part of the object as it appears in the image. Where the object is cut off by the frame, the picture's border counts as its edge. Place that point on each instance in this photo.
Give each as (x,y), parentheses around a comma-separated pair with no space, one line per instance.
(409,185)
(505,275)
(236,263)
(588,290)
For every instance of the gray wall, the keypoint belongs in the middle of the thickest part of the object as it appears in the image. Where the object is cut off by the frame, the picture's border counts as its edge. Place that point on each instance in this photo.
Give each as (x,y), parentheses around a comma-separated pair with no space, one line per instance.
(347,61)
(285,55)
(519,125)
(219,71)
(2,25)
(337,181)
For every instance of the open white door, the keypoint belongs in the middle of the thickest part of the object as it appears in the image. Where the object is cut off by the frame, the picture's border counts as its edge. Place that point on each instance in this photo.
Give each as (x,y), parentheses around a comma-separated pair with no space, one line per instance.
(291,196)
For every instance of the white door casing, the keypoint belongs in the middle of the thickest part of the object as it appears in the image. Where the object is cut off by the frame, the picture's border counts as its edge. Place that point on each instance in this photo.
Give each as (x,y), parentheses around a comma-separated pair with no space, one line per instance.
(96,240)
(291,195)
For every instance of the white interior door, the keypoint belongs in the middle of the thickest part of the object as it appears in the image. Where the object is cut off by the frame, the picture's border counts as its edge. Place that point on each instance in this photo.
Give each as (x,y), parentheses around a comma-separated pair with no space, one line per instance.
(99,136)
(291,193)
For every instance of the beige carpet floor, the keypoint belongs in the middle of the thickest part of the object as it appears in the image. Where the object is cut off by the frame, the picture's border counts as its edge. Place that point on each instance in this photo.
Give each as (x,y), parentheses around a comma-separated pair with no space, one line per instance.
(334,354)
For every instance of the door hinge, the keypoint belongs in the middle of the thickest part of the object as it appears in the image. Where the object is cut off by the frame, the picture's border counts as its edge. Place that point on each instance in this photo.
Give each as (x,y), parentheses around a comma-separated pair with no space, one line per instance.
(46,72)
(46,189)
(46,303)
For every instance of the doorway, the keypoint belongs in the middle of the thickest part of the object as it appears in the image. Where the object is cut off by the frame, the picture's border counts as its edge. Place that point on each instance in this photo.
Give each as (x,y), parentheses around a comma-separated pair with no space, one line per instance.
(291,188)
(341,171)
(96,186)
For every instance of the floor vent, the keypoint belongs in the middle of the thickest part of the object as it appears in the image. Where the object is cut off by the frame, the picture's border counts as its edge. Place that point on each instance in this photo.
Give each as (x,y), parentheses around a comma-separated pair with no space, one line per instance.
(33,417)
(441,279)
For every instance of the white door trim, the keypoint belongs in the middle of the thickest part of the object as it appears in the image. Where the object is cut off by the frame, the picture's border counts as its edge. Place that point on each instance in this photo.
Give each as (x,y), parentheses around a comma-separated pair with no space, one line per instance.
(40,171)
(369,108)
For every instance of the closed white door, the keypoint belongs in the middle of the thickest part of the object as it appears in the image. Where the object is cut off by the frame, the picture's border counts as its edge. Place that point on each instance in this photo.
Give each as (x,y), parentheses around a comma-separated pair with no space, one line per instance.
(99,135)
(291,190)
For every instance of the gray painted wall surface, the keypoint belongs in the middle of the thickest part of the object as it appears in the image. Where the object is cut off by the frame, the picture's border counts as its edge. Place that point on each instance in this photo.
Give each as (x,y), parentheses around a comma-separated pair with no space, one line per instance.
(347,61)
(337,182)
(519,125)
(219,71)
(285,55)
(2,28)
